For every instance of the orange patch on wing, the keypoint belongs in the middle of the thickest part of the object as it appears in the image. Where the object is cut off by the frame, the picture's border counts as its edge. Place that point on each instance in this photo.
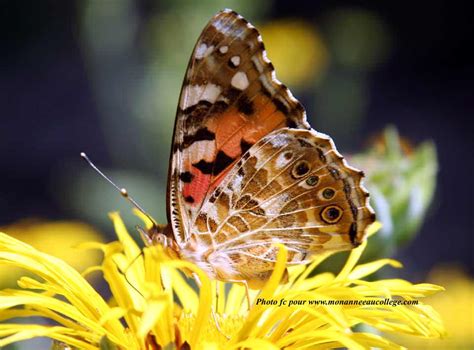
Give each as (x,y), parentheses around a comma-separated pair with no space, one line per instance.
(267,117)
(230,131)
(230,128)
(234,126)
(198,187)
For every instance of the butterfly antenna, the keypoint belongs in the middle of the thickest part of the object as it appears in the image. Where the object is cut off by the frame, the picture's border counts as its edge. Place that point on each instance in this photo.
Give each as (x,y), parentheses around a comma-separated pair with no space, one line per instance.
(123,191)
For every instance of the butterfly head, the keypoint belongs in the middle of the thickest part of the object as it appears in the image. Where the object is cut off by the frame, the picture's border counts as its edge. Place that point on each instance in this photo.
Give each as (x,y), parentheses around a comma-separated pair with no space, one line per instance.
(162,235)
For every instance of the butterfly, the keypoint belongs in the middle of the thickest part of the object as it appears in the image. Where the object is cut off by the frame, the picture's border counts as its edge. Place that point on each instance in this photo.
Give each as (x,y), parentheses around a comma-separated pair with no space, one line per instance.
(246,169)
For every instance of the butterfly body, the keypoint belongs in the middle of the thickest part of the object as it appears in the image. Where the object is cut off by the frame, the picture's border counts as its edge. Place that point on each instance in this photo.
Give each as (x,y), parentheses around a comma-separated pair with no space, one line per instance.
(247,171)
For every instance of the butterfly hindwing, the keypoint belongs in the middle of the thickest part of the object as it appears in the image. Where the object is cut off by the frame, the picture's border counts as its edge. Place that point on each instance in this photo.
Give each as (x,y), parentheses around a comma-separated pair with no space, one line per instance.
(230,99)
(291,187)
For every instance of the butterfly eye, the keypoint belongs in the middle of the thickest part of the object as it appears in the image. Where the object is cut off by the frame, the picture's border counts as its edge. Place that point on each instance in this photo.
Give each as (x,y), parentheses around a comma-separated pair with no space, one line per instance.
(312,180)
(328,193)
(300,169)
(331,214)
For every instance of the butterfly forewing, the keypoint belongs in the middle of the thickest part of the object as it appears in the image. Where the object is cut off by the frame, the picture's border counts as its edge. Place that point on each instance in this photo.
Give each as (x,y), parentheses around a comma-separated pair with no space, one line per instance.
(230,99)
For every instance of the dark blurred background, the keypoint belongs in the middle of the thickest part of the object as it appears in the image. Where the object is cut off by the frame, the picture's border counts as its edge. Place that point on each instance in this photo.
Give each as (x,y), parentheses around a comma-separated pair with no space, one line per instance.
(104,77)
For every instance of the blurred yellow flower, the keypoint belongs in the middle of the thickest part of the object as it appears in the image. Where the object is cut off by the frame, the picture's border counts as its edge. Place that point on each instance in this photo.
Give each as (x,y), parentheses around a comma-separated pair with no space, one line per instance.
(296,50)
(146,314)
(57,238)
(456,307)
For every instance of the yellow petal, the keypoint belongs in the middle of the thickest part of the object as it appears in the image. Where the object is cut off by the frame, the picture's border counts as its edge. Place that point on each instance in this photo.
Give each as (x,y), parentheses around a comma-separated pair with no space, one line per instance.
(21,332)
(255,343)
(364,270)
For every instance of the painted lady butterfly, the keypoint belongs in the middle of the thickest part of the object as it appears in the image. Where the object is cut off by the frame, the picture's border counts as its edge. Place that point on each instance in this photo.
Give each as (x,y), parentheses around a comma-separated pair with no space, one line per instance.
(248,171)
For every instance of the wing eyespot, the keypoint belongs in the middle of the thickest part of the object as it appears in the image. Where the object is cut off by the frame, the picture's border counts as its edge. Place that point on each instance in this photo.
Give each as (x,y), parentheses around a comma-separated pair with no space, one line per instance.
(300,169)
(328,193)
(312,180)
(331,214)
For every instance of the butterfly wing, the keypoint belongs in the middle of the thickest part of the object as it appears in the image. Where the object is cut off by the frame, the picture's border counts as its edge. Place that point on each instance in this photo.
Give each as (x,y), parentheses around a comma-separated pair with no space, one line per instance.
(291,187)
(230,99)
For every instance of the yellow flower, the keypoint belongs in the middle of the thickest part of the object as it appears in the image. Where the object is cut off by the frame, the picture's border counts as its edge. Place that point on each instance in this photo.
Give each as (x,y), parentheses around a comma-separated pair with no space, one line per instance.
(58,238)
(456,307)
(297,51)
(155,305)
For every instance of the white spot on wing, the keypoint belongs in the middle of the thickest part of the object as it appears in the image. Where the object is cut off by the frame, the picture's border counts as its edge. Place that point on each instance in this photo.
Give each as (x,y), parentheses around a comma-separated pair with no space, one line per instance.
(278,140)
(237,183)
(281,160)
(257,63)
(194,93)
(240,81)
(223,98)
(223,49)
(273,205)
(235,60)
(201,150)
(202,51)
(212,213)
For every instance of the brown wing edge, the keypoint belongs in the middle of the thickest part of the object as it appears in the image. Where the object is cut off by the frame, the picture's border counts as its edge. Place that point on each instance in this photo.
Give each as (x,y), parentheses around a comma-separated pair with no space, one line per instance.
(357,233)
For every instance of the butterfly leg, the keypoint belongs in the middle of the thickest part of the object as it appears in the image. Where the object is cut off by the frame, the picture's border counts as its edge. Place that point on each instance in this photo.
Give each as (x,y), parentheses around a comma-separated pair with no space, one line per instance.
(218,326)
(247,294)
(215,312)
(217,297)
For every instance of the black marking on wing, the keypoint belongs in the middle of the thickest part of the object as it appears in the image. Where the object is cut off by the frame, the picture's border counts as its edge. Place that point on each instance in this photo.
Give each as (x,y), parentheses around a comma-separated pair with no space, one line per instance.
(222,162)
(200,105)
(245,106)
(347,189)
(244,146)
(280,106)
(291,124)
(186,177)
(353,209)
(204,167)
(195,114)
(202,134)
(214,196)
(321,155)
(214,168)
(189,199)
(353,233)
(334,173)
(304,143)
(232,93)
